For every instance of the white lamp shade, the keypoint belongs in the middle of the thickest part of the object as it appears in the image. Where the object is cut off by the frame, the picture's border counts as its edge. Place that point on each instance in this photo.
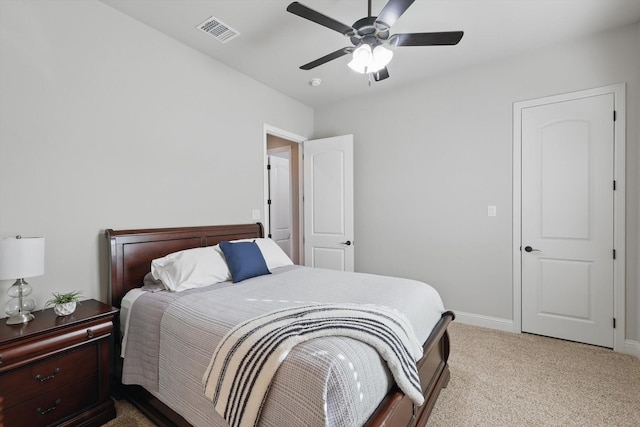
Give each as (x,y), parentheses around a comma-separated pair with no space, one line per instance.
(381,57)
(355,66)
(21,257)
(361,58)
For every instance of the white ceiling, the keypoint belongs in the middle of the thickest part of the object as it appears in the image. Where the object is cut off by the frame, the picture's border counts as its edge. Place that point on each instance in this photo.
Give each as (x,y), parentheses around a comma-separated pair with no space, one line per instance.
(274,43)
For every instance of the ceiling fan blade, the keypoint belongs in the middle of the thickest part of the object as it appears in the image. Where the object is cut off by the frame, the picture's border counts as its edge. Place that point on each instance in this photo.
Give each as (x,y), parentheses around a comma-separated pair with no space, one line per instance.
(392,11)
(446,38)
(330,57)
(381,74)
(317,17)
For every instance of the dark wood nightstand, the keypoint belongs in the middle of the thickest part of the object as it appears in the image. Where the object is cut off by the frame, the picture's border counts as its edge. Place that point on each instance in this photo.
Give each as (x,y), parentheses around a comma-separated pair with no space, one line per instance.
(55,370)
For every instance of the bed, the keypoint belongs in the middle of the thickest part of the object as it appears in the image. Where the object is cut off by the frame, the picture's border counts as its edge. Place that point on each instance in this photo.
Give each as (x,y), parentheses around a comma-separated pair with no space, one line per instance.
(131,253)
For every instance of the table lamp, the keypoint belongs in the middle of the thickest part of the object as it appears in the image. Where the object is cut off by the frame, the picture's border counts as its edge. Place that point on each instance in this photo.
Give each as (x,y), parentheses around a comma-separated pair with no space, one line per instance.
(21,257)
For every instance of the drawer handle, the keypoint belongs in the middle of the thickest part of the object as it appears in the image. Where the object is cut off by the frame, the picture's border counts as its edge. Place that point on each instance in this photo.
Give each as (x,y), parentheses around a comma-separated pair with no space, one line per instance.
(41,411)
(89,333)
(48,377)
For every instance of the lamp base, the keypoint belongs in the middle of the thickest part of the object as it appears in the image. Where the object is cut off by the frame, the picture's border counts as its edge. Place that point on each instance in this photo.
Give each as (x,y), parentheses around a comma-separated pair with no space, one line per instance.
(20,318)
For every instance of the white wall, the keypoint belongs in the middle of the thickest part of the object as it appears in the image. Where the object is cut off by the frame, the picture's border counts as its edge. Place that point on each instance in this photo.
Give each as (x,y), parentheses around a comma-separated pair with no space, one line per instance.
(106,123)
(430,161)
(636,119)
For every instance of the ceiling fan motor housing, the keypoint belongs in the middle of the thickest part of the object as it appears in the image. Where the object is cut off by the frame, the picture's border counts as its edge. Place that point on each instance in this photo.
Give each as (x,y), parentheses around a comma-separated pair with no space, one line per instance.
(367,30)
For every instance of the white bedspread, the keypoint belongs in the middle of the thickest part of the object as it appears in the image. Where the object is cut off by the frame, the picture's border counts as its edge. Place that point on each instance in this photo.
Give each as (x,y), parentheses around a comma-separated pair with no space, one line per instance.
(332,381)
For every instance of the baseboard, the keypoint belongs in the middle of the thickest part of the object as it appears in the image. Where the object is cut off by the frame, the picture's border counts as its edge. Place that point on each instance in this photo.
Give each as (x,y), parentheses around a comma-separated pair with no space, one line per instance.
(632,347)
(484,321)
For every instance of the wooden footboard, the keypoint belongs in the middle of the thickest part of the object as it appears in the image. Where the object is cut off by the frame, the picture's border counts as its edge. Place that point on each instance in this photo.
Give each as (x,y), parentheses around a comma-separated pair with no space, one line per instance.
(397,409)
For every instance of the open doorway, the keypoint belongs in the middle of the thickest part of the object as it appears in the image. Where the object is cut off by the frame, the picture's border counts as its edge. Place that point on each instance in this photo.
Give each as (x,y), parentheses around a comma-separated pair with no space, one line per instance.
(283,194)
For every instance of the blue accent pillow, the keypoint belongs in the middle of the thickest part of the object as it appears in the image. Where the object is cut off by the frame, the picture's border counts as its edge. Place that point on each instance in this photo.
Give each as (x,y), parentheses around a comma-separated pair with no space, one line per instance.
(244,260)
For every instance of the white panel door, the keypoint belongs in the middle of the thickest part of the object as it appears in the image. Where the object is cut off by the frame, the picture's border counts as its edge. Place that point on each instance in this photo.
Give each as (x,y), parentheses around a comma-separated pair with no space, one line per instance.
(328,203)
(280,220)
(567,219)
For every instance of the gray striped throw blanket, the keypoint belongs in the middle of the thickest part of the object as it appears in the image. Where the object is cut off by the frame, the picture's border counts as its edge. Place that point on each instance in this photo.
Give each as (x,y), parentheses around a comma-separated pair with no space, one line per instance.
(244,363)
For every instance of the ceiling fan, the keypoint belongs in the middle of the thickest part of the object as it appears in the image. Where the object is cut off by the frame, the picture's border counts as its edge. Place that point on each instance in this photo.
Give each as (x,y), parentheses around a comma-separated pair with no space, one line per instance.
(371,39)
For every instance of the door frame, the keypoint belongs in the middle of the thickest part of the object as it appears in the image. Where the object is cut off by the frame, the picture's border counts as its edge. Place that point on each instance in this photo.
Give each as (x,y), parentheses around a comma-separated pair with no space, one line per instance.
(618,91)
(274,131)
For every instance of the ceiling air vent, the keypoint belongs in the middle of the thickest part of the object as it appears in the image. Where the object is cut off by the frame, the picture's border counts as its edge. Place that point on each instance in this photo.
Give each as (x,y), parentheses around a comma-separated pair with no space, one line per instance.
(218,30)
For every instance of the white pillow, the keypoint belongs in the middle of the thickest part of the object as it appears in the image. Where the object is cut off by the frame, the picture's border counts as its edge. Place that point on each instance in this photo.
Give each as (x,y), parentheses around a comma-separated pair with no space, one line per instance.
(273,254)
(191,268)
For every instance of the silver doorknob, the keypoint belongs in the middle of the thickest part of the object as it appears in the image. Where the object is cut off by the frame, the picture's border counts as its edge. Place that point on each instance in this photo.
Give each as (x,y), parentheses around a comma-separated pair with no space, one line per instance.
(348,243)
(530,249)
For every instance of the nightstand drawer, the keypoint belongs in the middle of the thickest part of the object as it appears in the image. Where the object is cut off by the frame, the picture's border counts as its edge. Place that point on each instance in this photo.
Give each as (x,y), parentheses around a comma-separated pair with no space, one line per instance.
(31,350)
(49,374)
(51,407)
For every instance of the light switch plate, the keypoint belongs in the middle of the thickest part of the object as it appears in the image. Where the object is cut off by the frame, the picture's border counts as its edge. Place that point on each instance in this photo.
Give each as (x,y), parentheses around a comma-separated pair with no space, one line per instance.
(491,211)
(255,214)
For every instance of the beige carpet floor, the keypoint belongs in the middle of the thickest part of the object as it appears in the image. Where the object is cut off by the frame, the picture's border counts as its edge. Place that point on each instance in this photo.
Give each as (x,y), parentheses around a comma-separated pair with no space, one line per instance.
(128,416)
(504,379)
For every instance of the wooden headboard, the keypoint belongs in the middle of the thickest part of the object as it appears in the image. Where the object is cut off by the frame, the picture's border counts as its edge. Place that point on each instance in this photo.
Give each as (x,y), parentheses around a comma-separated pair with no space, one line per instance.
(131,251)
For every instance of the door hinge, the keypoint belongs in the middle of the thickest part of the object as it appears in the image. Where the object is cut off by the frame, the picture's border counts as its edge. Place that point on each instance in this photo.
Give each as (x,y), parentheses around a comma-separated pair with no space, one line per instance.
(268,167)
(615,116)
(614,254)
(614,185)
(614,323)
(269,235)
(269,201)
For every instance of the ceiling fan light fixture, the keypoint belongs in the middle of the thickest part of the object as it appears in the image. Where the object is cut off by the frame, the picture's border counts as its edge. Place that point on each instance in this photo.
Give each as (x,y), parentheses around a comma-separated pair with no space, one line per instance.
(381,57)
(362,58)
(356,66)
(365,60)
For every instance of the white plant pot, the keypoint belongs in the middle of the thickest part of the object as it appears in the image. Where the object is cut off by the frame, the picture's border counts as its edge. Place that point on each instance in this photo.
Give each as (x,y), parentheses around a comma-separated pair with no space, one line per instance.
(64,309)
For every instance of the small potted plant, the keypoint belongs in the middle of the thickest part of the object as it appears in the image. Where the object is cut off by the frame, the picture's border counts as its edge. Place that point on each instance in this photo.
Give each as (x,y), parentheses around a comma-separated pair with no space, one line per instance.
(64,304)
